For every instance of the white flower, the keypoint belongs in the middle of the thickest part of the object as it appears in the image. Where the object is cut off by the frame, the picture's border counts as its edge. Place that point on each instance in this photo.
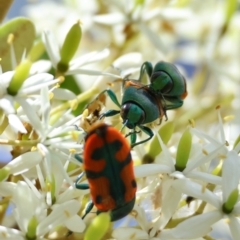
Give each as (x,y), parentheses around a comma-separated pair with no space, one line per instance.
(31,213)
(230,181)
(127,13)
(30,87)
(166,167)
(75,65)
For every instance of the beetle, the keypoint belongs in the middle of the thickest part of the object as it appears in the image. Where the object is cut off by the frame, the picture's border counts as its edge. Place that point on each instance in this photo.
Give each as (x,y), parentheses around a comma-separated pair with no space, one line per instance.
(109,170)
(139,106)
(167,82)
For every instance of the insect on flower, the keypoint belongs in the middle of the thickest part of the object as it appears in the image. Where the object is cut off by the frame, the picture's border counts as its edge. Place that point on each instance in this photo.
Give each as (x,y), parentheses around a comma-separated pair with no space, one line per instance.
(142,104)
(108,167)
(166,82)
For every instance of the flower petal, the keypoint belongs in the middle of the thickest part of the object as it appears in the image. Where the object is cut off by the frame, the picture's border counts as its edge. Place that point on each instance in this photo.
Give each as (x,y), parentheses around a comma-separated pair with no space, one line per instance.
(230,174)
(91,72)
(16,123)
(169,205)
(63,94)
(37,79)
(7,188)
(11,234)
(202,159)
(89,58)
(51,46)
(153,37)
(59,215)
(32,116)
(24,162)
(234,226)
(196,190)
(129,233)
(75,224)
(150,169)
(193,227)
(110,19)
(7,104)
(45,107)
(206,177)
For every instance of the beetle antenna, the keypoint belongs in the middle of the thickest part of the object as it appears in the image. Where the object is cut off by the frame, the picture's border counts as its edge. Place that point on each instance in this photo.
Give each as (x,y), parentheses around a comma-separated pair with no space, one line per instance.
(124,125)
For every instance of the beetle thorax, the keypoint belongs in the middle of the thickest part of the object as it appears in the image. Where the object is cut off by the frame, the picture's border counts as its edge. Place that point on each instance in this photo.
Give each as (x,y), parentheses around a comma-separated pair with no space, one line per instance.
(133,113)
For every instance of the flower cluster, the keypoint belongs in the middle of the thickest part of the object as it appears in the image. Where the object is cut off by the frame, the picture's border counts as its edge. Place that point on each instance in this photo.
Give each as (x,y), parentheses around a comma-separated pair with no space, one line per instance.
(58,82)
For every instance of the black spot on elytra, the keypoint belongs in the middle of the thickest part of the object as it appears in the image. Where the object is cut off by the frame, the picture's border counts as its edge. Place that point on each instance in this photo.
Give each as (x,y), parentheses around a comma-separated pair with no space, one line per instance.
(127,160)
(98,153)
(134,184)
(98,199)
(92,174)
(117,145)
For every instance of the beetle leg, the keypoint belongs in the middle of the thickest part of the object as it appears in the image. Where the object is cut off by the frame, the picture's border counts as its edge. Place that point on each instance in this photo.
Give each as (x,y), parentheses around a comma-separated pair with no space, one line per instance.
(146,66)
(113,97)
(77,156)
(165,114)
(172,103)
(89,207)
(148,131)
(133,138)
(109,113)
(81,186)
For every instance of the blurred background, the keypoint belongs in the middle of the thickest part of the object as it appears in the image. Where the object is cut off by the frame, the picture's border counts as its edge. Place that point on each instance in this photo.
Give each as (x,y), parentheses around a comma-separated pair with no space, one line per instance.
(200,37)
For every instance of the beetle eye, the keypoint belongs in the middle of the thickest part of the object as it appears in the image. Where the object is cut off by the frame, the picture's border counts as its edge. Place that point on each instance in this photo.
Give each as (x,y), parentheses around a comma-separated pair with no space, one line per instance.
(162,81)
(133,113)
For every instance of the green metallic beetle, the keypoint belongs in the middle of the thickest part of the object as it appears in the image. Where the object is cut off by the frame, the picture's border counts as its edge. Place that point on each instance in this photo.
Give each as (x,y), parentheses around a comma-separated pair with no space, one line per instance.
(139,106)
(142,104)
(166,82)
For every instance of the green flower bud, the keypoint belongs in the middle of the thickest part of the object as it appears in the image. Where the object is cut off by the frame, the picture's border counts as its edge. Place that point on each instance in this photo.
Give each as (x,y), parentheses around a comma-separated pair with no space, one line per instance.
(236,142)
(165,133)
(183,151)
(20,75)
(4,173)
(36,51)
(98,227)
(69,47)
(139,2)
(231,201)
(31,229)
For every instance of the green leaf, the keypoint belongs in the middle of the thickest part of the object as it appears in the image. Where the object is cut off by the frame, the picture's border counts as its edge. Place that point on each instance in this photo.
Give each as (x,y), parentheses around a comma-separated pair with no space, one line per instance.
(165,133)
(24,34)
(4,7)
(183,151)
